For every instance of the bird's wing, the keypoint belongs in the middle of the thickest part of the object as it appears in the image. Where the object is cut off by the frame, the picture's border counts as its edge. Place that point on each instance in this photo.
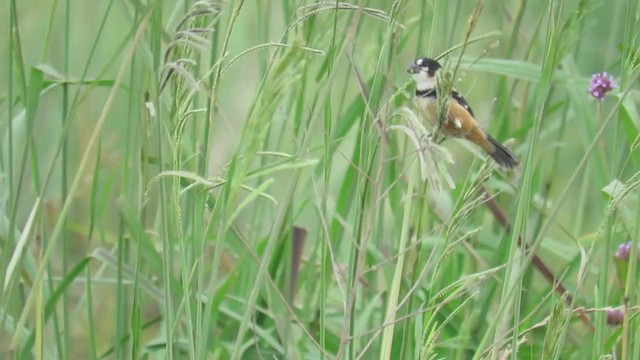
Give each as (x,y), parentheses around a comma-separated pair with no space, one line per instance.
(461,100)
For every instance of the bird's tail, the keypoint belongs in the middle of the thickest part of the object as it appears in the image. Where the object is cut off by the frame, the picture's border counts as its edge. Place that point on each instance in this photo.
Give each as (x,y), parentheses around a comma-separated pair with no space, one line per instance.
(502,155)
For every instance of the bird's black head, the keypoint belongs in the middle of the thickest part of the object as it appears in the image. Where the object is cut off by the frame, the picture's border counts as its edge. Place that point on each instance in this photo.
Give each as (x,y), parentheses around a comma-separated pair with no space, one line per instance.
(424,65)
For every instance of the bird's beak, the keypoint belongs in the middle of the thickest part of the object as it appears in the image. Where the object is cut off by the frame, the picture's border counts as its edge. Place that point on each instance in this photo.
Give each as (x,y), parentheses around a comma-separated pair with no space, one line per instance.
(413,69)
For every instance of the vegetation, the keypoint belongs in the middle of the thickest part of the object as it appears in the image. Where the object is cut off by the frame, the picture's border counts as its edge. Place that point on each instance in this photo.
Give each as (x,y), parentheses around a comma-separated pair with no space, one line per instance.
(251,180)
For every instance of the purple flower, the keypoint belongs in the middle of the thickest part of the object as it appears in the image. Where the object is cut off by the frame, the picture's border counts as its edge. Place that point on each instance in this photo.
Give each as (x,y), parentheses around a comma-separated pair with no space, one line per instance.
(623,251)
(615,316)
(601,84)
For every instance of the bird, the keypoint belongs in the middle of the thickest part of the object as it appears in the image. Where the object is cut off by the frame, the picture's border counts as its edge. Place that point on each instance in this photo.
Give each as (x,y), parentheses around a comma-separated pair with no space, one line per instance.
(461,121)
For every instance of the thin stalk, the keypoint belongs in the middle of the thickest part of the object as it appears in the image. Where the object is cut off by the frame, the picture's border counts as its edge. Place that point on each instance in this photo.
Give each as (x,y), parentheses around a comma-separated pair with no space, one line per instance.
(55,235)
(630,289)
(63,172)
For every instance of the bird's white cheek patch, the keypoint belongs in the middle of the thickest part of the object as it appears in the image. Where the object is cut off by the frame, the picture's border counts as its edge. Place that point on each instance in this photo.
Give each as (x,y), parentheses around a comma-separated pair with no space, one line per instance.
(457,123)
(423,83)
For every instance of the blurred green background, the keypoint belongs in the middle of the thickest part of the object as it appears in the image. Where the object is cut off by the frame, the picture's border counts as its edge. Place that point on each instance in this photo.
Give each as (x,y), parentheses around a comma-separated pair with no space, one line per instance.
(127,232)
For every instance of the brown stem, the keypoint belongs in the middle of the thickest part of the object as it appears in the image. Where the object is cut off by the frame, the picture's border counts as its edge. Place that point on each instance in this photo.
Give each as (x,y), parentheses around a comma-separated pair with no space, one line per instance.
(299,236)
(546,272)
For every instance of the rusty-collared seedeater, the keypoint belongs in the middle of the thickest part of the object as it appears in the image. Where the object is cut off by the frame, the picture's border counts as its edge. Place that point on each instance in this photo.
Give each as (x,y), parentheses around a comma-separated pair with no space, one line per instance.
(461,121)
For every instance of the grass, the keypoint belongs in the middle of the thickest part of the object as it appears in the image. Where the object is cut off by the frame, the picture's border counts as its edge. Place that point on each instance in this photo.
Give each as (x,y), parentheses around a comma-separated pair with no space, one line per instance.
(205,179)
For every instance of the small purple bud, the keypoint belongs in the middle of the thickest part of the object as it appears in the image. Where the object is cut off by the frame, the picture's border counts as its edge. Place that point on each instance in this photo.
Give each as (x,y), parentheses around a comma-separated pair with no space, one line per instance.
(623,251)
(615,317)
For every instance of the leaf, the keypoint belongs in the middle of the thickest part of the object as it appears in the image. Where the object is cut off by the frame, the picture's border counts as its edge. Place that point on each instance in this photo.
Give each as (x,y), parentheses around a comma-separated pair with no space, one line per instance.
(630,122)
(50,307)
(625,199)
(522,70)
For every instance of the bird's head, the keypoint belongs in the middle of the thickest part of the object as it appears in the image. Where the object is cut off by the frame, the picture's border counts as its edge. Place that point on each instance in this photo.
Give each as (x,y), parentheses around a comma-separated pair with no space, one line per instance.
(423,71)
